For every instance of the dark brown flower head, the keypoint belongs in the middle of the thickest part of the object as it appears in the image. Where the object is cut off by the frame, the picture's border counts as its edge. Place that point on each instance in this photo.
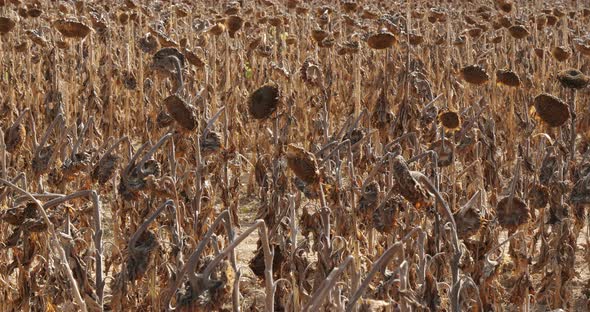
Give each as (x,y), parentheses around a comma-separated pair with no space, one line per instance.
(504,5)
(303,164)
(182,112)
(508,78)
(72,29)
(354,136)
(165,60)
(551,110)
(450,120)
(264,101)
(572,79)
(34,12)
(194,58)
(561,53)
(6,25)
(381,40)
(79,162)
(551,20)
(105,169)
(234,24)
(512,214)
(22,12)
(319,35)
(496,39)
(369,13)
(416,39)
(474,32)
(349,6)
(475,74)
(21,47)
(148,43)
(129,80)
(518,31)
(275,21)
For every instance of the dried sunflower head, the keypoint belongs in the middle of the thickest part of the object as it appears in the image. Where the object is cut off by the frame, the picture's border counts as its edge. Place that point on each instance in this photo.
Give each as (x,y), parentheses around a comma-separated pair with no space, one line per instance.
(561,53)
(319,35)
(572,79)
(105,169)
(551,110)
(165,60)
(518,31)
(234,24)
(349,5)
(512,214)
(148,43)
(303,164)
(182,112)
(551,20)
(475,74)
(381,40)
(310,72)
(450,120)
(6,25)
(194,58)
(72,29)
(508,78)
(264,101)
(505,5)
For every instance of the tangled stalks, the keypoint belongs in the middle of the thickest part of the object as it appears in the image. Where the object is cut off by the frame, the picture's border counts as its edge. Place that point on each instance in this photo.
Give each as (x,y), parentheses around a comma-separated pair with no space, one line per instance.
(351,155)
